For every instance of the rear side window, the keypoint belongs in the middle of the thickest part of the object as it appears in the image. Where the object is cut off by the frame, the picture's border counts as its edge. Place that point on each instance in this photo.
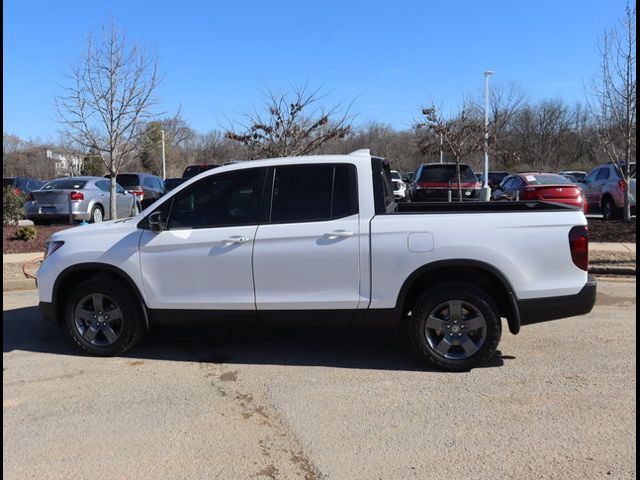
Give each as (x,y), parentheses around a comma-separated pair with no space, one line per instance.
(603,174)
(150,182)
(313,193)
(104,185)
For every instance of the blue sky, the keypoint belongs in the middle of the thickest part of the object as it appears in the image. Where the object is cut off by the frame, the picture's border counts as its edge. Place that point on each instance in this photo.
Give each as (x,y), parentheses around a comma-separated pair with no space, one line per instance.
(216,57)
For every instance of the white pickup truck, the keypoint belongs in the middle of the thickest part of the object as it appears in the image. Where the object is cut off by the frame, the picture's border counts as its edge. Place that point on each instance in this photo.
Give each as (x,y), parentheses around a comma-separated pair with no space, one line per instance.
(319,239)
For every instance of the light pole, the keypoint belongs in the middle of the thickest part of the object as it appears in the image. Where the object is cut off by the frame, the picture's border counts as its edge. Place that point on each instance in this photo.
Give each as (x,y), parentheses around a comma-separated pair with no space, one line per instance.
(441,152)
(486,191)
(164,165)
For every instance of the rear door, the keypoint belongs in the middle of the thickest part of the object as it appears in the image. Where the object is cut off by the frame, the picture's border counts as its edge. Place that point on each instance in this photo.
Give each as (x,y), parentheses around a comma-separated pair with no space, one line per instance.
(306,255)
(202,259)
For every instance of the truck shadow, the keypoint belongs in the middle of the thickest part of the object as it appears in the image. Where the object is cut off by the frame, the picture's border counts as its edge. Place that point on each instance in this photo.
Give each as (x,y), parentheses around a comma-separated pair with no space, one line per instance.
(24,329)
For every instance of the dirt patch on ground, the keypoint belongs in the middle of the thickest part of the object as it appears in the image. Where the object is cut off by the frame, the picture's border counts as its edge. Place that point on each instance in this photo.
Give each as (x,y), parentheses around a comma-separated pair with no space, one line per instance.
(612,230)
(10,244)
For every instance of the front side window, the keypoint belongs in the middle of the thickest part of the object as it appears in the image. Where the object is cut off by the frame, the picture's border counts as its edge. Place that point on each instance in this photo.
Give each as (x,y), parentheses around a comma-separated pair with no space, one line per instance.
(313,193)
(221,200)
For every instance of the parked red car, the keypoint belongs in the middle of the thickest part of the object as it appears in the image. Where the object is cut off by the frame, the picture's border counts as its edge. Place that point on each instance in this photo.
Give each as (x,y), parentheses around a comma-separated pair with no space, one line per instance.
(547,187)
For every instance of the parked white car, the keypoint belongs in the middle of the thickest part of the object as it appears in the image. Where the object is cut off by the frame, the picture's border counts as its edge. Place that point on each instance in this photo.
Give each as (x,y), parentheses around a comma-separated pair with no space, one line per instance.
(399,187)
(319,238)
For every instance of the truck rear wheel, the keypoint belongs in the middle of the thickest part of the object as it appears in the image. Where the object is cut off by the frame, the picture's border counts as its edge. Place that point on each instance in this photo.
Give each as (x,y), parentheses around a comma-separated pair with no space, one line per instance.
(455,326)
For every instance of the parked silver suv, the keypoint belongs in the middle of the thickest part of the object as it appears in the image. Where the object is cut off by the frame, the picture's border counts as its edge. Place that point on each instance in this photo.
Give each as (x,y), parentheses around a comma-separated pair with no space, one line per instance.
(604,190)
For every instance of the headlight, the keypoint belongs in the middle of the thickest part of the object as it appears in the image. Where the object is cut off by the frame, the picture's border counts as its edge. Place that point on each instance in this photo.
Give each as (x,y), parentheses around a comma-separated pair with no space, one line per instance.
(51,247)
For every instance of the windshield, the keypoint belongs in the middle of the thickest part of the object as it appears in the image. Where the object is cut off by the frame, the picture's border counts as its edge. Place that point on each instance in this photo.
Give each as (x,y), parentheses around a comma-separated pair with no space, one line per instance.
(64,184)
(446,173)
(395,175)
(546,179)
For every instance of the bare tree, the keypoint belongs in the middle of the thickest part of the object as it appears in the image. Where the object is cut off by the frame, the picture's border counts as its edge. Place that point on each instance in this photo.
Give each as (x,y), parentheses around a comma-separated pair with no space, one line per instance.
(109,97)
(176,134)
(614,95)
(461,135)
(542,131)
(290,126)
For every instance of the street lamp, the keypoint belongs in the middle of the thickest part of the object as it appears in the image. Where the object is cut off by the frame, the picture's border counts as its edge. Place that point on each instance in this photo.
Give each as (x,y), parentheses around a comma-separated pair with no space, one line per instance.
(164,165)
(486,191)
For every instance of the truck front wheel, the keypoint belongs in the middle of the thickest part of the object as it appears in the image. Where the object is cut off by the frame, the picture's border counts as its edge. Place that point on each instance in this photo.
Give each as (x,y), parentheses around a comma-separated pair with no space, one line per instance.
(103,318)
(455,326)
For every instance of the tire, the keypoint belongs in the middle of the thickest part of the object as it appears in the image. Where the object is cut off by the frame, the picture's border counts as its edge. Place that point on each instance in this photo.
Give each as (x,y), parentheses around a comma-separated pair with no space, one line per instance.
(442,340)
(135,209)
(103,318)
(97,214)
(609,209)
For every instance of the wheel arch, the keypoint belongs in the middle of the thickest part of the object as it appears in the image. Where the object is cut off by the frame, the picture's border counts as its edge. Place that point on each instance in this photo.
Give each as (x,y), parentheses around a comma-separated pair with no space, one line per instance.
(74,274)
(481,274)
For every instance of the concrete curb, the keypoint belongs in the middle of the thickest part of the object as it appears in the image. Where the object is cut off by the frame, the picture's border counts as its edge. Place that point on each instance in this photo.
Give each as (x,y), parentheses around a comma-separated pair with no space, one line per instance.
(612,270)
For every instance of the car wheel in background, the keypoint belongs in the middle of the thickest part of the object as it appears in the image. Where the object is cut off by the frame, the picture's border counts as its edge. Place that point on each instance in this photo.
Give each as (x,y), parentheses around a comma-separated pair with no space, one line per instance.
(103,317)
(609,210)
(97,215)
(455,326)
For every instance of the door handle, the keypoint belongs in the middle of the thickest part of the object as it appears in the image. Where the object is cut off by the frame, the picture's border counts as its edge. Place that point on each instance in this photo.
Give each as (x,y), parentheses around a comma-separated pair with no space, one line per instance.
(339,234)
(234,241)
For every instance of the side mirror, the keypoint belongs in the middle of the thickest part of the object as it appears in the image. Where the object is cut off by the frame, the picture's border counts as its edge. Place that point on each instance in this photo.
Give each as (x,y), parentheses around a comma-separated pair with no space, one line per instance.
(155,222)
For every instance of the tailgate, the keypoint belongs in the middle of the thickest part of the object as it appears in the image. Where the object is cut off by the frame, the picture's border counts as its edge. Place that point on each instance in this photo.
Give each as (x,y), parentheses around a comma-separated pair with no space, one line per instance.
(556,192)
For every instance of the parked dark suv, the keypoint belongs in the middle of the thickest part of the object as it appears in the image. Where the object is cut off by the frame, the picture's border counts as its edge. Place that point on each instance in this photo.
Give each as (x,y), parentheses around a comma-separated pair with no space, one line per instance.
(22,185)
(148,188)
(193,170)
(434,181)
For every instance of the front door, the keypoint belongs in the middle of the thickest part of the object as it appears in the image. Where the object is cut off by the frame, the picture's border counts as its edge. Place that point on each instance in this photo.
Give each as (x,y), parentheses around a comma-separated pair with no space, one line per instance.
(202,259)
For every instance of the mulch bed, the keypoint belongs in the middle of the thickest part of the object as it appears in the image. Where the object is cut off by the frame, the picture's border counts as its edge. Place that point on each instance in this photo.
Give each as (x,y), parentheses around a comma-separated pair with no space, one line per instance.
(612,231)
(599,231)
(10,244)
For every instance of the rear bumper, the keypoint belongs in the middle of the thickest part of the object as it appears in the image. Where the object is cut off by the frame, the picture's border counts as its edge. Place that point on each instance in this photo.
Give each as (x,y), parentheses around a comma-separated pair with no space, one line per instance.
(538,310)
(58,216)
(442,195)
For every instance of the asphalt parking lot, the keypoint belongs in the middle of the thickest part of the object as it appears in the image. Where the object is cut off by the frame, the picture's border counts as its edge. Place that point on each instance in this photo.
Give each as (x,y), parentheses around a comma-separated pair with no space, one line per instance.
(558,401)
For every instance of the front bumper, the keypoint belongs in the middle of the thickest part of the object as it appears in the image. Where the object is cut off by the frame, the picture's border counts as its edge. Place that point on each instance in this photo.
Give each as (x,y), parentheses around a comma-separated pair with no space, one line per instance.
(538,310)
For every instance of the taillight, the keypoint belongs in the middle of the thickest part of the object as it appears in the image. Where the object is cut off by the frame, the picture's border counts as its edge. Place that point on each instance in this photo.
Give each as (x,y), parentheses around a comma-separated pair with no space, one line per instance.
(18,191)
(529,194)
(30,198)
(622,185)
(579,245)
(76,196)
(137,192)
(422,184)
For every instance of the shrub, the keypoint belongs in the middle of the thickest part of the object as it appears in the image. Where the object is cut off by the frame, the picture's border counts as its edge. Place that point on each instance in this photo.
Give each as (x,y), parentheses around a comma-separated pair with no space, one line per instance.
(12,206)
(27,233)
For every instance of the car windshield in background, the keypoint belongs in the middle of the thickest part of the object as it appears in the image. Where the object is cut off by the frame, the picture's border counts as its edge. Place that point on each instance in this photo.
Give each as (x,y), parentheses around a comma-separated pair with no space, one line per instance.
(128,180)
(170,183)
(64,184)
(446,173)
(547,179)
(396,176)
